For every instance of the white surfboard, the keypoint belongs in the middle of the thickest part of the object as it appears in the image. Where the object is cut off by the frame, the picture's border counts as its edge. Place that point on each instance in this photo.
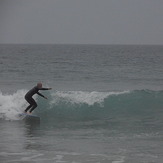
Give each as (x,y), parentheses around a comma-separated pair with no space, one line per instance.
(25,116)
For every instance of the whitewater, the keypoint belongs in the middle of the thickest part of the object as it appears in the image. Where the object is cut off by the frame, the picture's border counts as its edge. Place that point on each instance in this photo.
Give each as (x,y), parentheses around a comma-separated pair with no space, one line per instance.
(105,105)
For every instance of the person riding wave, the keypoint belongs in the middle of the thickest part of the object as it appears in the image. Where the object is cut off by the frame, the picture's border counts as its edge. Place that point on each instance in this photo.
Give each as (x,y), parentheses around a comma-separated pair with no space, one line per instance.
(30,100)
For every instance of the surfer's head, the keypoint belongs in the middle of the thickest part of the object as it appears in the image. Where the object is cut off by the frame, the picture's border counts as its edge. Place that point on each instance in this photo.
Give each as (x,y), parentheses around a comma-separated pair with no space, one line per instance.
(39,85)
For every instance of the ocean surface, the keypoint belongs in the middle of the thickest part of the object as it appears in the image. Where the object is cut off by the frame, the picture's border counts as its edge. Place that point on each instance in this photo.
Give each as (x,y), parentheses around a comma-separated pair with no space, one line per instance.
(106,105)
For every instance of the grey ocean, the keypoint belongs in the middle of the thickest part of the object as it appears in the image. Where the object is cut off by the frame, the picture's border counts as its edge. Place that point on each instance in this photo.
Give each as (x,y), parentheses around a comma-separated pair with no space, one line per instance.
(106,105)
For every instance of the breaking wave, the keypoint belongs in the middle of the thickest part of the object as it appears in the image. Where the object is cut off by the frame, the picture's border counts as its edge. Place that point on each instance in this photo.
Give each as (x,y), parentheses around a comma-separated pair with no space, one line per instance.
(81,105)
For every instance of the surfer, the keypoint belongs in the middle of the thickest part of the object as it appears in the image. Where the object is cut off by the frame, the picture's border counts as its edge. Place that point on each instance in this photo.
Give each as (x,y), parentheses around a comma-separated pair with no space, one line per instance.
(30,100)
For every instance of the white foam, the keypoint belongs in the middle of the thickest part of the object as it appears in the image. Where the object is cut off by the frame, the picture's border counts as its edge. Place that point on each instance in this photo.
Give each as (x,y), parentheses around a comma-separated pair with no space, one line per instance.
(78,97)
(12,104)
(120,160)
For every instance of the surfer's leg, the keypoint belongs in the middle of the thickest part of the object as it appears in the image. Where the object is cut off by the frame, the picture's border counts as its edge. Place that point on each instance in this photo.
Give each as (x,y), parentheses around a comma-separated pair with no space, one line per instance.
(28,108)
(30,101)
(33,106)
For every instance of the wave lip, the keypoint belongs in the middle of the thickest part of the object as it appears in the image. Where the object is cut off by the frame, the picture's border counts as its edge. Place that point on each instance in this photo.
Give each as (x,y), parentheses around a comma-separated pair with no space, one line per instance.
(80,97)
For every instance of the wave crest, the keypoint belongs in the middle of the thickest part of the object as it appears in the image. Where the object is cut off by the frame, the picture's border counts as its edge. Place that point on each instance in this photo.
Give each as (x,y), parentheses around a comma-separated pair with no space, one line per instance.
(82,104)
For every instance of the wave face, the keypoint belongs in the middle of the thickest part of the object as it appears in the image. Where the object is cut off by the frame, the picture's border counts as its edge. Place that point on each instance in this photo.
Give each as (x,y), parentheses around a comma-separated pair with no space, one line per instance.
(87,106)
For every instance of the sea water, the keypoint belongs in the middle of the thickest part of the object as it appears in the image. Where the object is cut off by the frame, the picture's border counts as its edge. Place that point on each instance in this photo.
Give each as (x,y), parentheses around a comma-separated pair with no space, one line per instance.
(106,105)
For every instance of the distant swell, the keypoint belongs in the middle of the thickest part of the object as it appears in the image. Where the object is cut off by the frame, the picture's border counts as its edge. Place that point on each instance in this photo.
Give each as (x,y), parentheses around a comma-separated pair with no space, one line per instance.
(80,105)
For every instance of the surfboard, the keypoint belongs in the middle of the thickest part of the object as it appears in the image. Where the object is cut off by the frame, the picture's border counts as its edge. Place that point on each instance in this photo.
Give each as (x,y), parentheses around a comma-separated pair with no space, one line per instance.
(29,117)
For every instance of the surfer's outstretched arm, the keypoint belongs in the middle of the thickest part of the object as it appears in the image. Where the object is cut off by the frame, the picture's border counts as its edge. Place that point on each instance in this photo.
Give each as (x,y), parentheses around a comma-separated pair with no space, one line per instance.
(41,95)
(45,88)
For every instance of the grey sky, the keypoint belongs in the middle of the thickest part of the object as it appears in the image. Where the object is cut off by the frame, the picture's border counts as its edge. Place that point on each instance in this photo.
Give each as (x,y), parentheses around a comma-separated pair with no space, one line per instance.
(81,21)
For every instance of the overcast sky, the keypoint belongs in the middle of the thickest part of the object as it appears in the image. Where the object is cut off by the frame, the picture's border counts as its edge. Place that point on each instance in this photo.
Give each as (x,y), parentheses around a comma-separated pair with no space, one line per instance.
(81,21)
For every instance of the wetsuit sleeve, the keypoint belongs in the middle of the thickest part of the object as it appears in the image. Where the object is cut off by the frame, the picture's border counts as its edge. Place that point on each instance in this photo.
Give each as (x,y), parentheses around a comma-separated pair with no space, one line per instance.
(44,89)
(40,94)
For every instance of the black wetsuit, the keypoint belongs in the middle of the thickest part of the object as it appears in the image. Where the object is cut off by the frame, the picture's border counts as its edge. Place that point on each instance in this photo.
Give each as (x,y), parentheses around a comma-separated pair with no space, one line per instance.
(30,100)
